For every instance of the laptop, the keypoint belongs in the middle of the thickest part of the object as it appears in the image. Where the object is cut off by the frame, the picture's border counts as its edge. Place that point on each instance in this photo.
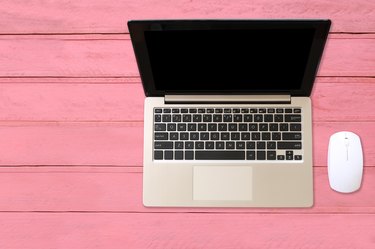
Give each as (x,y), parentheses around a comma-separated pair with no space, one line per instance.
(227,114)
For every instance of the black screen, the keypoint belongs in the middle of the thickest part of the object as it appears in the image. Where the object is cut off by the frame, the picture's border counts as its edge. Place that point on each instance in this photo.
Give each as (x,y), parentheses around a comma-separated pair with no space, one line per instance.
(229,60)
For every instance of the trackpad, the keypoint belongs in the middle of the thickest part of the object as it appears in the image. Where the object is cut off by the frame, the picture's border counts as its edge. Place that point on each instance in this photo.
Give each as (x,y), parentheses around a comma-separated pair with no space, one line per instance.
(222,183)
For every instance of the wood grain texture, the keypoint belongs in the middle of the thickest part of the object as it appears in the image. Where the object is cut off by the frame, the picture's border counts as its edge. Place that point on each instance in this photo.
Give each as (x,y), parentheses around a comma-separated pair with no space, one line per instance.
(121,143)
(119,189)
(124,102)
(126,230)
(113,56)
(103,16)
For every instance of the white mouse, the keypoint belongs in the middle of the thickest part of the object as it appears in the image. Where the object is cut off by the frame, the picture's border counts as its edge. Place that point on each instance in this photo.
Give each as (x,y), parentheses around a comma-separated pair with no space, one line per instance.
(345,162)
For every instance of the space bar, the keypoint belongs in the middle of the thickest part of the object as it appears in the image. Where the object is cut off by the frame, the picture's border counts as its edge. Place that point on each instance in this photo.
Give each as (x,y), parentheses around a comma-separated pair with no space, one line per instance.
(220,155)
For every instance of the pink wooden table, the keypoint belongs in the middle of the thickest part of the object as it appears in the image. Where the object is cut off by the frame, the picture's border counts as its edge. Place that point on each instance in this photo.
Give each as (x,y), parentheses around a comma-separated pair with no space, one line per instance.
(71,131)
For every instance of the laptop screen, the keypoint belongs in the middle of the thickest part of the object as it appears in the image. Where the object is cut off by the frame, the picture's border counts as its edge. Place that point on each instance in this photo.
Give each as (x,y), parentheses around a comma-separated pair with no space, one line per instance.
(229,60)
(228,56)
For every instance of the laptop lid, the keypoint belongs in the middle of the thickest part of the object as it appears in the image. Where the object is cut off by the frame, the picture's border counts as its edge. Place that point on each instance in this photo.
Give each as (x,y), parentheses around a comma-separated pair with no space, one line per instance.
(228,56)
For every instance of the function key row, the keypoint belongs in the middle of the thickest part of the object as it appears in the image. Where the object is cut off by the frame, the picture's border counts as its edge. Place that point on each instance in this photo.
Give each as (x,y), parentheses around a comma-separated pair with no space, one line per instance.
(227,110)
(238,118)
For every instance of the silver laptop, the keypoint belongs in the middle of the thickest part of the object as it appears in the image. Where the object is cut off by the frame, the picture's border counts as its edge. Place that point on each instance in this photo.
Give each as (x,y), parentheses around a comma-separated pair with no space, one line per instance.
(227,116)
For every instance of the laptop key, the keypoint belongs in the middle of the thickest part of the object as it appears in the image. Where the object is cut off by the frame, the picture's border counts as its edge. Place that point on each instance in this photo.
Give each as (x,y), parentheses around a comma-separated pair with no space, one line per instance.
(292,118)
(250,155)
(184,136)
(174,110)
(266,136)
(235,136)
(158,110)
(242,127)
(283,127)
(220,155)
(189,155)
(280,157)
(189,145)
(205,136)
(240,145)
(289,145)
(197,118)
(178,155)
(212,127)
(160,127)
(199,145)
(157,118)
(292,135)
(192,127)
(163,145)
(238,118)
(215,136)
(250,145)
(219,145)
(278,118)
(184,110)
(173,136)
(253,127)
(271,145)
(202,127)
(261,145)
(176,118)
(209,145)
(274,127)
(227,117)
(261,155)
(229,145)
(166,118)
(297,110)
(222,127)
(245,136)
(225,136)
(171,127)
(194,136)
(268,118)
(161,136)
(218,118)
(295,127)
(178,145)
(271,155)
(258,118)
(181,127)
(232,127)
(167,110)
(255,136)
(158,155)
(276,136)
(168,155)
(263,127)
(297,157)
(186,118)
(207,118)
(248,118)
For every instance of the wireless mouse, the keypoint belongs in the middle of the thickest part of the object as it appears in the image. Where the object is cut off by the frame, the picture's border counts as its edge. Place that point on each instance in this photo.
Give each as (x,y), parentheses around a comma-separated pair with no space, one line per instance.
(345,162)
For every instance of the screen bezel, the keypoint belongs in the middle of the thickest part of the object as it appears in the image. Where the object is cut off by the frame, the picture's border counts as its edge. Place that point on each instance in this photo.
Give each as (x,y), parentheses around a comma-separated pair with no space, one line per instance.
(138,27)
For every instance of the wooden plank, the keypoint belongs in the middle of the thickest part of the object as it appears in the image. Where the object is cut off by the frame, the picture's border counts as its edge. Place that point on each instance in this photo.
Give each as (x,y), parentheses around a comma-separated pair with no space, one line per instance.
(112,56)
(104,16)
(121,143)
(124,230)
(111,189)
(137,80)
(124,102)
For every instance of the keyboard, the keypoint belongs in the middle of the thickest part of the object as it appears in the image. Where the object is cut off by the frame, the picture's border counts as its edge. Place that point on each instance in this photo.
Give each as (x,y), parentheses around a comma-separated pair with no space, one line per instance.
(228,134)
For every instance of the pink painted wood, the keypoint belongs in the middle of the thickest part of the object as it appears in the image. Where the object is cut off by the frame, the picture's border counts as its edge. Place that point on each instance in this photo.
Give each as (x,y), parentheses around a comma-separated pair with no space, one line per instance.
(71,131)
(168,230)
(103,16)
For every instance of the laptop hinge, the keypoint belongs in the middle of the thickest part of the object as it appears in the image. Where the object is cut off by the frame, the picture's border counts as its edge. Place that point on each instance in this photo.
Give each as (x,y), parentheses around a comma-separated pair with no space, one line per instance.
(226,99)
